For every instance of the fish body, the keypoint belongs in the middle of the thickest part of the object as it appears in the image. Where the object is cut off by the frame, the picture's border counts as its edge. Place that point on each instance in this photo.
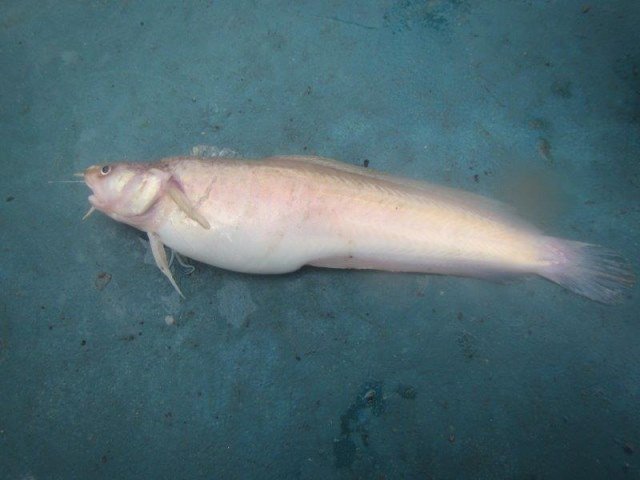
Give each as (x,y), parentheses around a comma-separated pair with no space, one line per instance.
(277,214)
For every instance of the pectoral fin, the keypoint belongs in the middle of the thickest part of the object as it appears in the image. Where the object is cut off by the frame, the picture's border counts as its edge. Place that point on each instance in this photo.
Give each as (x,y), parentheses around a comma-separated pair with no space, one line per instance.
(159,255)
(185,205)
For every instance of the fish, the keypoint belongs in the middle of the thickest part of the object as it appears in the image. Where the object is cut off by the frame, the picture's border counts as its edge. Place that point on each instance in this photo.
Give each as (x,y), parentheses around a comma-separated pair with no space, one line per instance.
(277,214)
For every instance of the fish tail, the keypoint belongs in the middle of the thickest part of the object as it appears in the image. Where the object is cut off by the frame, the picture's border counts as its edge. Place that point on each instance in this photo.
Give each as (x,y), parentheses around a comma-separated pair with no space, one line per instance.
(590,270)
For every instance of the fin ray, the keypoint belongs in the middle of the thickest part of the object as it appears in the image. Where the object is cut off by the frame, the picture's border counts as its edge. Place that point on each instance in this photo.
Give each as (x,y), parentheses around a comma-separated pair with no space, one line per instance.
(589,270)
(160,256)
(184,204)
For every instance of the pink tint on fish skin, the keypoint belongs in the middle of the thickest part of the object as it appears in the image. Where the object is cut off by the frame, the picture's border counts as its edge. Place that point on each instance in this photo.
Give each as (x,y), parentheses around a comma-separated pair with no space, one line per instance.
(277,214)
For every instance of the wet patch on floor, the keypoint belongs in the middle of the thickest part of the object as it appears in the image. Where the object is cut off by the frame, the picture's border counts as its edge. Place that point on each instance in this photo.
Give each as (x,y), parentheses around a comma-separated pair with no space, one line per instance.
(354,449)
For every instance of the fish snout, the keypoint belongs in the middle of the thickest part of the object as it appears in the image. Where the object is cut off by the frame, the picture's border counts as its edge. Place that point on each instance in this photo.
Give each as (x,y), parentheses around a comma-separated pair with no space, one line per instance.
(91,175)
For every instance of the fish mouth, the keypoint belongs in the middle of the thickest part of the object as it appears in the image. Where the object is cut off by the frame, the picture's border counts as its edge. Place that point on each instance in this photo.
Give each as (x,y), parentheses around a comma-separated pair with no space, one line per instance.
(94,206)
(95,200)
(96,203)
(89,179)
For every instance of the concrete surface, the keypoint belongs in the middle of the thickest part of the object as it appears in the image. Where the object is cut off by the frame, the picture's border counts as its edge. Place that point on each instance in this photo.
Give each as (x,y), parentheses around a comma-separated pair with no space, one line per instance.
(318,374)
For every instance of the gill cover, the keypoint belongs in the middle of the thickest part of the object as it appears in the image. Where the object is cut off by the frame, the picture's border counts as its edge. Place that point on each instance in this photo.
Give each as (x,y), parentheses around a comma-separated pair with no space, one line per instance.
(141,191)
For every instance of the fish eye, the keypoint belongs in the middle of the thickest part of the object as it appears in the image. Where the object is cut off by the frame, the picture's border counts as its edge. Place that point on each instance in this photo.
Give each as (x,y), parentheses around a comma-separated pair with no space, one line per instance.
(105,170)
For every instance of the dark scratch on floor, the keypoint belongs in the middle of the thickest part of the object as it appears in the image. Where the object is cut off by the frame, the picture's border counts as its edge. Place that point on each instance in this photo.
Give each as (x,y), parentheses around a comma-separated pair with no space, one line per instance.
(347,22)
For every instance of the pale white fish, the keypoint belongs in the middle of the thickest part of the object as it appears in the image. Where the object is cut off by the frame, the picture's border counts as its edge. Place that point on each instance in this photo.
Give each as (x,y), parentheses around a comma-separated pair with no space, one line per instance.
(277,214)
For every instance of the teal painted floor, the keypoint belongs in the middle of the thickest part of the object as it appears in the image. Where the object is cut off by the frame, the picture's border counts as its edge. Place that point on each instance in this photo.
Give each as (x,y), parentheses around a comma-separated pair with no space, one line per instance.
(321,373)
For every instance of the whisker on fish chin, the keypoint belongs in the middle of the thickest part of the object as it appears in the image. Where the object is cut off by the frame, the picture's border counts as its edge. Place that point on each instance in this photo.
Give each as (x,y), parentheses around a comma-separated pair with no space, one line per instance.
(86,215)
(65,181)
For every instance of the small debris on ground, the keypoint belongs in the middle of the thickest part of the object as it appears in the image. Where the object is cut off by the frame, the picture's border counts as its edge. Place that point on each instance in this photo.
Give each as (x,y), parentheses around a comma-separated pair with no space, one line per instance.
(370,396)
(169,320)
(407,392)
(102,280)
(544,149)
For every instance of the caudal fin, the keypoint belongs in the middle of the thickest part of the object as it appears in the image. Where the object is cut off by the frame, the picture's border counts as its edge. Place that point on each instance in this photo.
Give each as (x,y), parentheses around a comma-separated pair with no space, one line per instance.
(595,272)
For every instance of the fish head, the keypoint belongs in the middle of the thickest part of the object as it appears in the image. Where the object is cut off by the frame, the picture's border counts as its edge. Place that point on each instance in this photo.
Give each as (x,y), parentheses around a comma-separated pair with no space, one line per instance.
(126,192)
